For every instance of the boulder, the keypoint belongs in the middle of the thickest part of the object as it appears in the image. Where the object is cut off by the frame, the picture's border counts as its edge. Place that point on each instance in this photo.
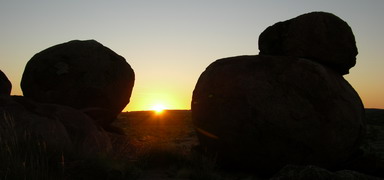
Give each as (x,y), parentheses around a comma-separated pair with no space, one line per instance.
(80,74)
(263,112)
(64,130)
(5,84)
(319,36)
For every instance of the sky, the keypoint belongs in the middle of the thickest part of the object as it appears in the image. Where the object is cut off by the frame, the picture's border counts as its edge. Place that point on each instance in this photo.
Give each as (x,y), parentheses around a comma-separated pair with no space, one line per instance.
(169,43)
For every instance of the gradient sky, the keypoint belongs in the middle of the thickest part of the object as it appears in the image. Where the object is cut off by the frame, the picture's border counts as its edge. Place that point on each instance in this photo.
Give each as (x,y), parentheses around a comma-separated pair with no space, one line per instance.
(169,43)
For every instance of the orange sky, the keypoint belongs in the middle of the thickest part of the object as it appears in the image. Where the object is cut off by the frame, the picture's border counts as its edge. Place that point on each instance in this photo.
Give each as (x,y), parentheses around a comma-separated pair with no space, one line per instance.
(169,43)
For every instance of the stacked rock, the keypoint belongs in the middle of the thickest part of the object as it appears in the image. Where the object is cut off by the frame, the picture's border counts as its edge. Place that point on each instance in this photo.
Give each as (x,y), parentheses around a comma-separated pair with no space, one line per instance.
(72,93)
(288,105)
(318,36)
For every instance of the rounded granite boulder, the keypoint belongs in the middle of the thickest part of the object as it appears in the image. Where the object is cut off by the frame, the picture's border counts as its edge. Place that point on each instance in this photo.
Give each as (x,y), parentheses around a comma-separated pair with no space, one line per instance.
(80,74)
(319,36)
(263,112)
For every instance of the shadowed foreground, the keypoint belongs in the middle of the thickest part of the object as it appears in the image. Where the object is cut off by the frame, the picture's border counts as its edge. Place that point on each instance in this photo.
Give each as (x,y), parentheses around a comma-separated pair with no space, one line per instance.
(165,147)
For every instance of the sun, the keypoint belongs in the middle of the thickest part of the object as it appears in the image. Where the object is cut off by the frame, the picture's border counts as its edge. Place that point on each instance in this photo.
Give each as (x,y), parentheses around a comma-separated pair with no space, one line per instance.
(158,108)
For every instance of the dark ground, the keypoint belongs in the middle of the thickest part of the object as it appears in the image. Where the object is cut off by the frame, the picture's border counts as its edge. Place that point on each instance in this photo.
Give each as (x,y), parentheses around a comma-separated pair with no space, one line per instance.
(164,142)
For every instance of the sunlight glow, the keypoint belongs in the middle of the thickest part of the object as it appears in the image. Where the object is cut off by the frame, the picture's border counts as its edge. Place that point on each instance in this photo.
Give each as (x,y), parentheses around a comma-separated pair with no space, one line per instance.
(146,99)
(158,108)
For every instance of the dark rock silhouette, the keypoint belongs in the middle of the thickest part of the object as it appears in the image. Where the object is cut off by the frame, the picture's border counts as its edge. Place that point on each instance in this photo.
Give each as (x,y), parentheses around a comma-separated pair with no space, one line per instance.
(263,112)
(73,92)
(64,130)
(288,105)
(80,74)
(5,84)
(319,36)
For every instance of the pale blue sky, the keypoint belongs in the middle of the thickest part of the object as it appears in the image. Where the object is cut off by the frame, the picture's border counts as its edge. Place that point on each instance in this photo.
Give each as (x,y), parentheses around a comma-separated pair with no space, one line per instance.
(169,43)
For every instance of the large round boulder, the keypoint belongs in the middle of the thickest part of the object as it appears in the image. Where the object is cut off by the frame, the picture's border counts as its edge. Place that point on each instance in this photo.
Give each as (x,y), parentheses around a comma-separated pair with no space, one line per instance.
(263,112)
(80,74)
(320,36)
(5,84)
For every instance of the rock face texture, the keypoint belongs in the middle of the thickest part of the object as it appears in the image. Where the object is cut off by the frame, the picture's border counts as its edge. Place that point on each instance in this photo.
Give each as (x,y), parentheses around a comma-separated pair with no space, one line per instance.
(80,74)
(5,84)
(319,36)
(263,112)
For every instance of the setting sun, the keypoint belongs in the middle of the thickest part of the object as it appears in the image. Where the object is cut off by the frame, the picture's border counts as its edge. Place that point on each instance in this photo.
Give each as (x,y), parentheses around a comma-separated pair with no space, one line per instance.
(158,108)
(158,97)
